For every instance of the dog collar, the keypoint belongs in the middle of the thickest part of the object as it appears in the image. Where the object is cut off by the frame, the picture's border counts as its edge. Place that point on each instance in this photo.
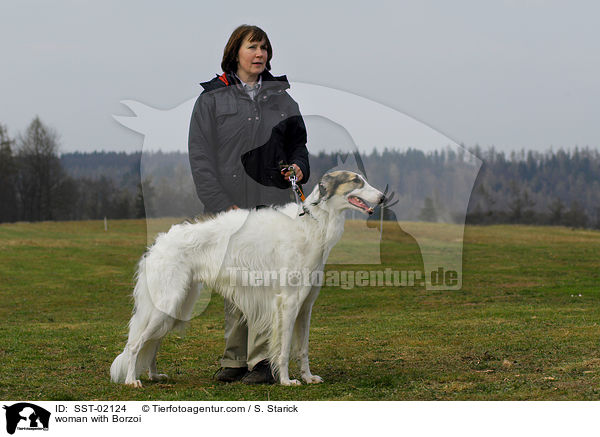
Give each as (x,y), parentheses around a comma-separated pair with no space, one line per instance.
(306,211)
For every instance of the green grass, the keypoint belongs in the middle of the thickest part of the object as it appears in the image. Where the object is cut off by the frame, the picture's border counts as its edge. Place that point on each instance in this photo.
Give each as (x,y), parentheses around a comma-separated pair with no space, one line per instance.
(518,329)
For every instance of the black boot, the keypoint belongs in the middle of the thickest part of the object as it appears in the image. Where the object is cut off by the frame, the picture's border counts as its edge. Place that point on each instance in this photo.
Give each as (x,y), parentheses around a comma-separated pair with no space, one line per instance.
(230,374)
(260,374)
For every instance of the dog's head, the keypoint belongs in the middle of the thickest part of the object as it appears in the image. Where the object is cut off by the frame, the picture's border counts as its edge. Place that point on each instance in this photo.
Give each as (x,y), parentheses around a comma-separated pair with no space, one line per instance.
(348,190)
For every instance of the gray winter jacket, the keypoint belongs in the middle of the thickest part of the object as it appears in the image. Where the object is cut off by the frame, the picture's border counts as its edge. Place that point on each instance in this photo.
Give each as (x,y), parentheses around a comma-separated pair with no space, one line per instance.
(236,143)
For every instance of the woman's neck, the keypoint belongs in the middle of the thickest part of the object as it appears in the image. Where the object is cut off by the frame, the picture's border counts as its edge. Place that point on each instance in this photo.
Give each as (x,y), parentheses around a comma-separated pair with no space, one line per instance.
(249,79)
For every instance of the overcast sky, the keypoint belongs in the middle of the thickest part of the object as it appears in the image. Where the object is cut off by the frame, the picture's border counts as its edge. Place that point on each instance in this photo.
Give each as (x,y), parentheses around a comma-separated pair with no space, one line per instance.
(513,74)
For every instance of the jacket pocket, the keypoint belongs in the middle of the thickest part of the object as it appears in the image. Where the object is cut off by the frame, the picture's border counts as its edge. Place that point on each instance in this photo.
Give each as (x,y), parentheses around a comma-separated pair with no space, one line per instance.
(227,107)
(228,123)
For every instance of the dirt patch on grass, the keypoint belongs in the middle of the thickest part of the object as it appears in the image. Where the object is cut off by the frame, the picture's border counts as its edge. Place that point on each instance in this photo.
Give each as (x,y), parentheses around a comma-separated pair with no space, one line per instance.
(38,243)
(519,284)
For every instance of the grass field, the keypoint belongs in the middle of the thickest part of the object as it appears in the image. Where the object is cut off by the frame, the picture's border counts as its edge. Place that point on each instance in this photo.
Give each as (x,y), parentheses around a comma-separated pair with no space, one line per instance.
(525,325)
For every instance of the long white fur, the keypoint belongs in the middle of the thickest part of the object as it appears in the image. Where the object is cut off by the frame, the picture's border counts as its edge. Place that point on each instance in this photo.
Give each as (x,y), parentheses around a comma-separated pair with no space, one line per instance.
(194,255)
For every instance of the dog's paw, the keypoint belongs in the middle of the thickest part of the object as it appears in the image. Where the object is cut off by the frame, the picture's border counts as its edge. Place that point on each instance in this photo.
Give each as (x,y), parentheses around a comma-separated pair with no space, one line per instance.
(135,384)
(158,377)
(312,379)
(290,382)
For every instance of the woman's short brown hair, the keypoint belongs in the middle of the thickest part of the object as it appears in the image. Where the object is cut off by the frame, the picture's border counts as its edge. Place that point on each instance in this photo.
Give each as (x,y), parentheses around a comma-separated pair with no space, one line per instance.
(229,63)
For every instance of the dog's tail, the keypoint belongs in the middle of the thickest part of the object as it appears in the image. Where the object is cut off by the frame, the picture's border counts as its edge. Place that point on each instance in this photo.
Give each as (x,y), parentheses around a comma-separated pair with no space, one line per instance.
(118,369)
(144,313)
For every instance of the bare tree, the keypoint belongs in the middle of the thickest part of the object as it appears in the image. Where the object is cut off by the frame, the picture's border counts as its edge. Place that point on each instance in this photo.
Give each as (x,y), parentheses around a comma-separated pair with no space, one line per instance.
(8,172)
(40,173)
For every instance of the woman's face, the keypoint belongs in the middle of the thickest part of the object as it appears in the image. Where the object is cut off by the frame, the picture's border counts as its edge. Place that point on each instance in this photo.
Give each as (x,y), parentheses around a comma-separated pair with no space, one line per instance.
(252,59)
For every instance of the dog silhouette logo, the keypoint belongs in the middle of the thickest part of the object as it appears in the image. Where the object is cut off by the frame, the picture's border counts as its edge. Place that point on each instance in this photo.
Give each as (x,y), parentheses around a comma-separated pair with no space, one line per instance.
(25,416)
(338,121)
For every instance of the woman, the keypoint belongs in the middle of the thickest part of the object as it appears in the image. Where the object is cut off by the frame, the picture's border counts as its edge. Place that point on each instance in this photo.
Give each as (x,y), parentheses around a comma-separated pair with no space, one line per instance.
(243,127)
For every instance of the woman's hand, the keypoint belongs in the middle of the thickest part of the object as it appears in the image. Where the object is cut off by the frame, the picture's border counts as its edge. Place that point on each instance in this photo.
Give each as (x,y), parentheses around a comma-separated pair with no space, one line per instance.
(299,174)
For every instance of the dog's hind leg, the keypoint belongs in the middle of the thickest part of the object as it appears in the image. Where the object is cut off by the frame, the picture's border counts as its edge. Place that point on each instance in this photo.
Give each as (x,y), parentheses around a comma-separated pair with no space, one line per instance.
(143,349)
(153,374)
(301,333)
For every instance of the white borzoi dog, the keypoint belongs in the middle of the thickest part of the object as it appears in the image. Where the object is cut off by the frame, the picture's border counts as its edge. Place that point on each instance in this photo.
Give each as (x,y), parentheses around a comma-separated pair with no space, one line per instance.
(195,255)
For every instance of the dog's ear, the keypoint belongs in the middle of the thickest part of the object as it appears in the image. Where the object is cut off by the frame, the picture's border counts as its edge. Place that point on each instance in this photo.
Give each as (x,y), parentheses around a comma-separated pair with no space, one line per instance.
(322,190)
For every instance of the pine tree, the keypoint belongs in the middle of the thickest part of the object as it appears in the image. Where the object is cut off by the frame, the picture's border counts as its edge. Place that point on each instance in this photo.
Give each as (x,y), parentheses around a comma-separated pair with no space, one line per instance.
(428,212)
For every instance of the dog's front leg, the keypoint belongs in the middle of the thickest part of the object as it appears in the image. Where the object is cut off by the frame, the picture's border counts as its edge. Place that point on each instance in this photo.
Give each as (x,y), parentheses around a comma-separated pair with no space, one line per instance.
(289,312)
(301,334)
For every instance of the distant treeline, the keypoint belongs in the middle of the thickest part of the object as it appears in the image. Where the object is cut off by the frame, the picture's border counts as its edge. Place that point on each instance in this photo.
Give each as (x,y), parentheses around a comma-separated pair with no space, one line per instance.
(551,188)
(36,184)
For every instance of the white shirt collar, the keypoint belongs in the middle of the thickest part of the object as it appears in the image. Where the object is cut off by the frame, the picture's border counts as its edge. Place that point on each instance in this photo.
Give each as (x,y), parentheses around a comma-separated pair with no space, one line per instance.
(245,85)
